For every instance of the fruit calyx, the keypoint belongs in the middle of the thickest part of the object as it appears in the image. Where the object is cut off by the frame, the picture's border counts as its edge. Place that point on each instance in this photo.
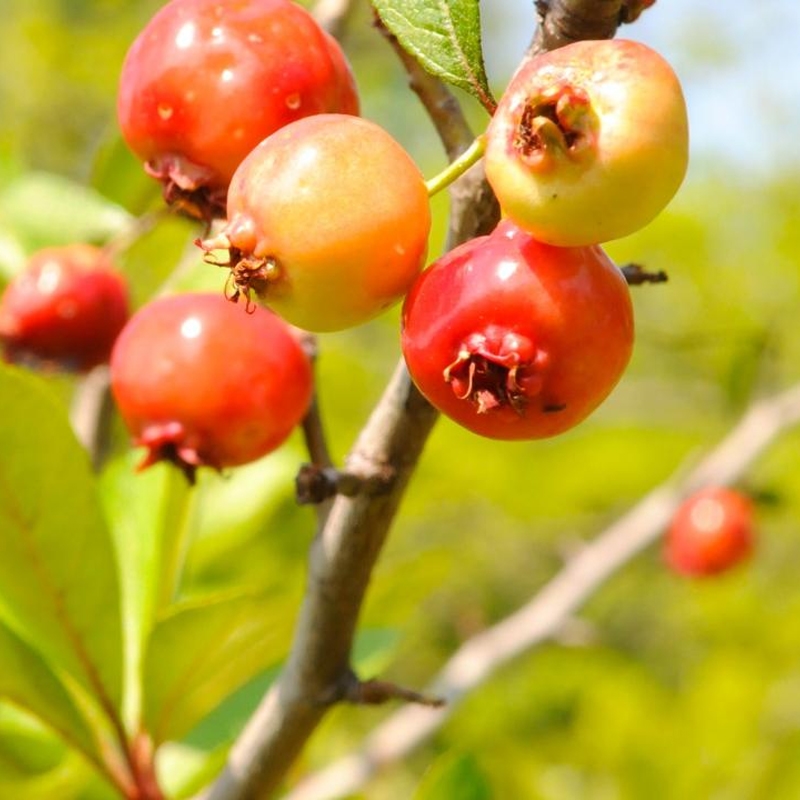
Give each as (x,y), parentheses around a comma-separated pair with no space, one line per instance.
(497,368)
(167,441)
(248,273)
(188,187)
(558,122)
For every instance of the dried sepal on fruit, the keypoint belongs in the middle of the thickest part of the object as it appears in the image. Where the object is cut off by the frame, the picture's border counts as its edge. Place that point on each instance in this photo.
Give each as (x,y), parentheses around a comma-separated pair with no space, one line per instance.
(516,339)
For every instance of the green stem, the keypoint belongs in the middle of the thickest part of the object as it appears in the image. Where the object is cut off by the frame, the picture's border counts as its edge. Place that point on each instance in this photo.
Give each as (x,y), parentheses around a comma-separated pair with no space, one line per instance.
(455,169)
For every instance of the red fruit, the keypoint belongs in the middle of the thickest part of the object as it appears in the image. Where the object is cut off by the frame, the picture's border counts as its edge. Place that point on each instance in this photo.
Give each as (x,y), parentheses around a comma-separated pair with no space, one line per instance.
(589,142)
(515,339)
(206,80)
(711,532)
(328,222)
(200,382)
(66,307)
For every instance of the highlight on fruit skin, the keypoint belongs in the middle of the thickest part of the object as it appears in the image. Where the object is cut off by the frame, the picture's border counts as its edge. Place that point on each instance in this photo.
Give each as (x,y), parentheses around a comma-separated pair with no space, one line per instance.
(206,80)
(711,532)
(64,310)
(515,339)
(589,142)
(328,223)
(200,382)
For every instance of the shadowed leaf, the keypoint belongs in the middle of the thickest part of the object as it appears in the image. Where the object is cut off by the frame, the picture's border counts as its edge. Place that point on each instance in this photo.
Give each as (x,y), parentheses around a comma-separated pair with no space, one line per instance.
(202,651)
(27,681)
(58,578)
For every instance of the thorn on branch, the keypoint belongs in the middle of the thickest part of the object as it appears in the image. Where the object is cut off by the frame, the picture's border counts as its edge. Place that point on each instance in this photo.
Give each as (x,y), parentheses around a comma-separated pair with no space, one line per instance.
(314,484)
(374,692)
(636,275)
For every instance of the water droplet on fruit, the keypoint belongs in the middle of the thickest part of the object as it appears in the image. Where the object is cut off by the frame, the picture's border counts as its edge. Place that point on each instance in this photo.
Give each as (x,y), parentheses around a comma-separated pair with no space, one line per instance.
(293,101)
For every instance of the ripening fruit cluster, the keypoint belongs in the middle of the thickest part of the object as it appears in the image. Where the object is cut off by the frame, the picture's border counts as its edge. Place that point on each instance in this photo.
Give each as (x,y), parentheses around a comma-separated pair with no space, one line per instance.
(523,333)
(248,115)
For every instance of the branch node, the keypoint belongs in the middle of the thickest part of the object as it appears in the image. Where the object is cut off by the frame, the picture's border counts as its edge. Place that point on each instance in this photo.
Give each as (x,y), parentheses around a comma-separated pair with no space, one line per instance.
(636,275)
(314,484)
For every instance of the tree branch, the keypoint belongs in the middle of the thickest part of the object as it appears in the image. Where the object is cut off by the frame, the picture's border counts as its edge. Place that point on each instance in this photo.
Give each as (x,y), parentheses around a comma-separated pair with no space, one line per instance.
(562,22)
(350,538)
(545,615)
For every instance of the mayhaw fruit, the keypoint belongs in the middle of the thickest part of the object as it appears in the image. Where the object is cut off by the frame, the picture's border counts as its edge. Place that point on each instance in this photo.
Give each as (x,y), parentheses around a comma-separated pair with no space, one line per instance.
(516,339)
(64,309)
(589,142)
(200,382)
(206,80)
(711,532)
(328,223)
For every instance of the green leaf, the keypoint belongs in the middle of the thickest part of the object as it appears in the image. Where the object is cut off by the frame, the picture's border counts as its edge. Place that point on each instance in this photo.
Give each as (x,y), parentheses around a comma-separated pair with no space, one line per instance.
(72,779)
(35,765)
(27,745)
(445,37)
(118,175)
(219,728)
(454,775)
(27,681)
(58,576)
(202,651)
(185,771)
(374,649)
(148,513)
(43,209)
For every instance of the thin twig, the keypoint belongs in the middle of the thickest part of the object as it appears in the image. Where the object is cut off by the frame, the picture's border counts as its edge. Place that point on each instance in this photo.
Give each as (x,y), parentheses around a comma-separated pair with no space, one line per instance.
(554,605)
(438,101)
(91,412)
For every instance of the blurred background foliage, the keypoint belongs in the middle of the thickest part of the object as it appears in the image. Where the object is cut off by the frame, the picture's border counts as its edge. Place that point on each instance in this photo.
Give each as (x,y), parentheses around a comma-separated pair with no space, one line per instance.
(673,688)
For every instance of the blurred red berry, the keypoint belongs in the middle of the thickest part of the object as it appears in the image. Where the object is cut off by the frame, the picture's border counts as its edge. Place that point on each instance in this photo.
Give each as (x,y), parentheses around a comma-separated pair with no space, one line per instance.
(711,532)
(66,308)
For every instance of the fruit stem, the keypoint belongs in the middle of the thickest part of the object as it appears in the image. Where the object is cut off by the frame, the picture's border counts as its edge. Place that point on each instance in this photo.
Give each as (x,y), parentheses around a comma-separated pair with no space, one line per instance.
(458,167)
